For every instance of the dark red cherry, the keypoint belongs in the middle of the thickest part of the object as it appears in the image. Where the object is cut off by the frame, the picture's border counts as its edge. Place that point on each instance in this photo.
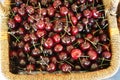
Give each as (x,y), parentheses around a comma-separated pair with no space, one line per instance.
(51,67)
(11,23)
(22,62)
(66,40)
(15,9)
(66,68)
(63,11)
(27,47)
(80,27)
(17,18)
(21,44)
(51,11)
(106,54)
(63,55)
(30,9)
(35,52)
(85,63)
(95,13)
(58,48)
(13,54)
(21,31)
(53,59)
(40,24)
(69,48)
(40,33)
(30,67)
(87,13)
(31,19)
(33,37)
(74,20)
(57,3)
(48,26)
(76,53)
(56,38)
(78,16)
(82,1)
(74,30)
(85,46)
(92,54)
(21,11)
(26,37)
(48,43)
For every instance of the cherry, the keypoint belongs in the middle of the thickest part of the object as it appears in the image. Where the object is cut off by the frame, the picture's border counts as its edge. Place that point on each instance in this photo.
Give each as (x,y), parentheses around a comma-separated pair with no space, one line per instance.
(40,33)
(23,5)
(31,19)
(66,40)
(15,9)
(21,54)
(11,23)
(74,20)
(33,37)
(57,15)
(57,3)
(51,11)
(27,47)
(21,44)
(87,13)
(21,11)
(31,60)
(58,48)
(85,21)
(53,59)
(26,25)
(80,40)
(30,9)
(92,54)
(69,48)
(76,53)
(95,13)
(17,18)
(35,52)
(74,7)
(85,46)
(90,1)
(30,67)
(18,2)
(51,67)
(89,36)
(21,31)
(49,26)
(56,38)
(40,24)
(22,62)
(13,54)
(85,63)
(78,16)
(33,1)
(106,54)
(72,38)
(27,37)
(94,66)
(42,11)
(58,26)
(82,1)
(66,68)
(48,43)
(80,27)
(103,37)
(74,30)
(63,11)
(63,55)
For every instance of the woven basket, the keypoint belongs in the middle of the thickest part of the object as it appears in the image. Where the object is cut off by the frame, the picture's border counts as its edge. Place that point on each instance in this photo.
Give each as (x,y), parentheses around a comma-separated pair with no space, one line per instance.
(110,8)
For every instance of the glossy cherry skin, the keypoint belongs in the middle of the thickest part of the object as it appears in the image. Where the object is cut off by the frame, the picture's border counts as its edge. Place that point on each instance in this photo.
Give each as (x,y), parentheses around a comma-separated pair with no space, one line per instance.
(64,11)
(40,24)
(27,47)
(17,18)
(66,68)
(76,53)
(63,55)
(58,48)
(51,67)
(56,38)
(48,43)
(30,67)
(85,46)
(87,13)
(57,3)
(74,20)
(106,55)
(92,54)
(30,9)
(40,33)
(51,11)
(74,30)
(11,23)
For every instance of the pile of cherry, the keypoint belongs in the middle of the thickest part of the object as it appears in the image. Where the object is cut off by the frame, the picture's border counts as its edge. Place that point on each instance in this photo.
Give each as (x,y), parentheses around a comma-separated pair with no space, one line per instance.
(58,35)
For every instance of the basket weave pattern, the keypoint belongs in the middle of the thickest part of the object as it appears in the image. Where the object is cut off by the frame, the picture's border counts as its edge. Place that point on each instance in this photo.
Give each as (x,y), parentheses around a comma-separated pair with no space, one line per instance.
(110,8)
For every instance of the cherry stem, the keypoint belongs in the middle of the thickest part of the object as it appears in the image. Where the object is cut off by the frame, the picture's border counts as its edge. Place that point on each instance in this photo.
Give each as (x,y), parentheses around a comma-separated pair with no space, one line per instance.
(98,25)
(91,42)
(27,2)
(39,4)
(14,37)
(70,20)
(103,45)
(69,63)
(105,26)
(102,61)
(93,3)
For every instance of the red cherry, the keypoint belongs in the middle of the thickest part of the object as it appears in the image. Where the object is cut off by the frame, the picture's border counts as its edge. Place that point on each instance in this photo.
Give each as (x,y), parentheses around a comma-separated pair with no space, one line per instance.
(51,11)
(27,47)
(17,18)
(30,9)
(40,33)
(51,67)
(48,43)
(64,11)
(74,20)
(85,46)
(92,54)
(58,48)
(11,23)
(74,30)
(30,67)
(95,13)
(87,13)
(48,26)
(76,53)
(56,38)
(40,24)
(21,11)
(57,3)
(106,54)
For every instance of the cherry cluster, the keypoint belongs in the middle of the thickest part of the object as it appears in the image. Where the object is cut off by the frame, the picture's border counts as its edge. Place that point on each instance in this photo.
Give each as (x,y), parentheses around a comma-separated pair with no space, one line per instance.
(58,35)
